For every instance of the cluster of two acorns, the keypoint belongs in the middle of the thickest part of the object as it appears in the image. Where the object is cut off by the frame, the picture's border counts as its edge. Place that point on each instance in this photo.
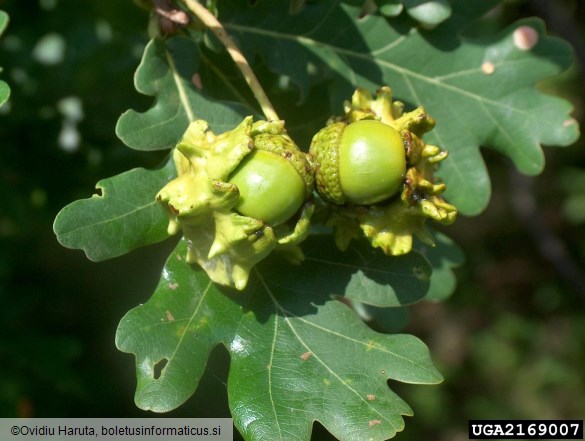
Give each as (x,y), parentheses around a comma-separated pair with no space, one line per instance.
(372,173)
(370,167)
(360,163)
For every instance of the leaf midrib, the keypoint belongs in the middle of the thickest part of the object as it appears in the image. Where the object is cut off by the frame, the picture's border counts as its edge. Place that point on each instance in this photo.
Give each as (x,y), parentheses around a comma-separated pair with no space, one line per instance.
(180,88)
(137,208)
(287,316)
(191,319)
(288,313)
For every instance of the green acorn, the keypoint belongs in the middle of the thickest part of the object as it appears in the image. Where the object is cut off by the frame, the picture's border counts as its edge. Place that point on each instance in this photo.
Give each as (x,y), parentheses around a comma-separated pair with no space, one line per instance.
(239,195)
(377,174)
(360,163)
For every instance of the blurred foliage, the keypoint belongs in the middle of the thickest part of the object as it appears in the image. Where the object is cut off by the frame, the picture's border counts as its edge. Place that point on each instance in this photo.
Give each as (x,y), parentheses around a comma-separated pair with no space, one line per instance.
(572,182)
(70,71)
(510,342)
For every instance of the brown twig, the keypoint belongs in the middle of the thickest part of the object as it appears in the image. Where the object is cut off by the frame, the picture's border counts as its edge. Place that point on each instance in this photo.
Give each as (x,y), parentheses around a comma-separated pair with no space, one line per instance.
(209,20)
(166,9)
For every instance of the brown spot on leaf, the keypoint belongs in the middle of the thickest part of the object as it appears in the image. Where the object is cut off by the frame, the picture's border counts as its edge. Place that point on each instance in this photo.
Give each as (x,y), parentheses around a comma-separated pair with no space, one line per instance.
(371,397)
(374,422)
(488,67)
(569,122)
(173,285)
(525,38)
(196,79)
(170,317)
(306,355)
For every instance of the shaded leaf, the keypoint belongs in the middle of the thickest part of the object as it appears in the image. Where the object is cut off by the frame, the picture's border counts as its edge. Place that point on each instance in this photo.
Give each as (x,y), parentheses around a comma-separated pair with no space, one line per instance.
(296,357)
(168,72)
(4,89)
(362,273)
(296,6)
(123,217)
(387,320)
(443,257)
(222,79)
(481,92)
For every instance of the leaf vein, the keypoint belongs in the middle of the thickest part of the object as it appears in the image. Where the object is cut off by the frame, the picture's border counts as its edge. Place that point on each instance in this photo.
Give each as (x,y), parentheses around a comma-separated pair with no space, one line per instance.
(272,350)
(122,217)
(287,318)
(186,329)
(356,267)
(180,88)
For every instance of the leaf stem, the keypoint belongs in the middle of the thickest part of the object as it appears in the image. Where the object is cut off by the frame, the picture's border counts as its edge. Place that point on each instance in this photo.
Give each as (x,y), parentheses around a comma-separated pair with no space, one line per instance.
(217,28)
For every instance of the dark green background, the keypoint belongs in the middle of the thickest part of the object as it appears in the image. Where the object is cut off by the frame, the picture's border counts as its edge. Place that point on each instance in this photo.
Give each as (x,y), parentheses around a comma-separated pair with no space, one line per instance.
(510,342)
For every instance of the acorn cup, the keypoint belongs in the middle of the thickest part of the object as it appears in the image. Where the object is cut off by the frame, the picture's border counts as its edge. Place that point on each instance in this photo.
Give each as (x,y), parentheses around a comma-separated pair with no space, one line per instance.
(238,196)
(377,174)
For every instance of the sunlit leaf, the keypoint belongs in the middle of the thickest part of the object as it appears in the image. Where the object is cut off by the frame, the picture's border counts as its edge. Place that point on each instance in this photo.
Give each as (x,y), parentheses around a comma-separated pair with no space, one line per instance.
(168,72)
(296,356)
(390,8)
(124,216)
(444,257)
(481,92)
(429,12)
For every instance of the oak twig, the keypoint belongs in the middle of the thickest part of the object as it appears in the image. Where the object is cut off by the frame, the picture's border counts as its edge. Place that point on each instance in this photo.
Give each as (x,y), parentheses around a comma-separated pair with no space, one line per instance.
(217,28)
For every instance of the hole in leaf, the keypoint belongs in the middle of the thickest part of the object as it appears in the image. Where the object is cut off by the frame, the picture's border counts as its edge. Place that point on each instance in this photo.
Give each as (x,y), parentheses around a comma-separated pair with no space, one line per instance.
(158,368)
